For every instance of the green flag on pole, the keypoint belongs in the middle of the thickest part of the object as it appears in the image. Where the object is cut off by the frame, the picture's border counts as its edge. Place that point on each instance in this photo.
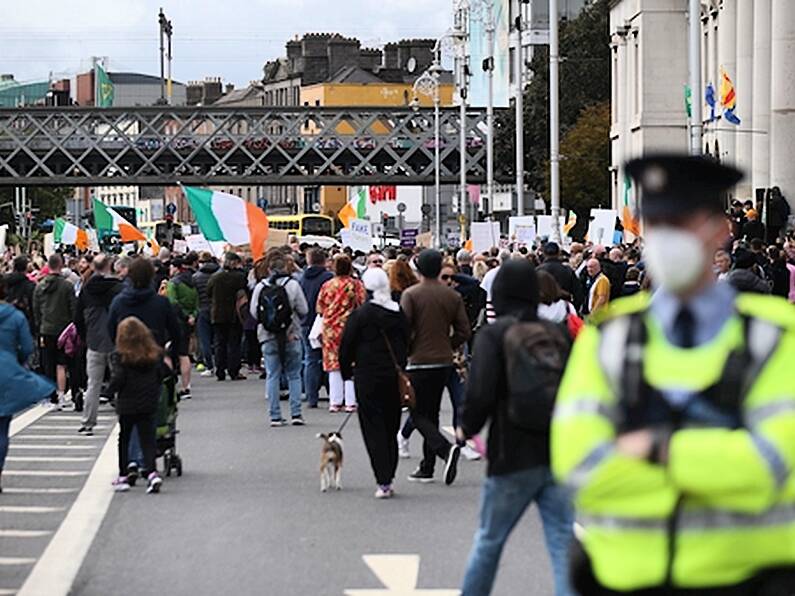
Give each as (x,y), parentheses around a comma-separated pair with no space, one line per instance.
(104,85)
(689,101)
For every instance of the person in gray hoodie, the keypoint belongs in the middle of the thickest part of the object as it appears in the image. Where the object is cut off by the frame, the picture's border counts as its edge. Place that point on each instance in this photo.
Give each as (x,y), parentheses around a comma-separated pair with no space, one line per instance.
(53,309)
(282,350)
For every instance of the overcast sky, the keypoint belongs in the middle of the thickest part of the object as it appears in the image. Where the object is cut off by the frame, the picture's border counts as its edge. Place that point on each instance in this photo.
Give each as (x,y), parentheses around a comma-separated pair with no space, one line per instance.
(227,38)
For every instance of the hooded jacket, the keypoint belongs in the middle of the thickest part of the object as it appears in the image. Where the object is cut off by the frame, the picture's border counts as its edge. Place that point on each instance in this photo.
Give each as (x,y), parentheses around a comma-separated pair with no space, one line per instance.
(297,301)
(19,293)
(510,448)
(154,311)
(53,304)
(311,281)
(183,294)
(745,280)
(222,289)
(200,279)
(93,306)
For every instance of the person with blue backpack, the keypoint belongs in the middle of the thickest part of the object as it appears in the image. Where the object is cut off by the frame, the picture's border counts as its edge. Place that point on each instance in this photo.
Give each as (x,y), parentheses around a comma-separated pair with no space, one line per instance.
(278,304)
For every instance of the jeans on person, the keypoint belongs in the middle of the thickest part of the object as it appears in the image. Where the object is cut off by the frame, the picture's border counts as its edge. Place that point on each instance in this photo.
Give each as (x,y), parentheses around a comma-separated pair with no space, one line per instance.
(96,364)
(313,369)
(291,366)
(204,330)
(428,386)
(456,389)
(144,424)
(504,499)
(5,425)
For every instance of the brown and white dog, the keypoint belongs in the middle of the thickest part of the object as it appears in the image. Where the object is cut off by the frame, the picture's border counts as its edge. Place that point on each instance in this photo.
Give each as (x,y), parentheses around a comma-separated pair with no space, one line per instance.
(330,461)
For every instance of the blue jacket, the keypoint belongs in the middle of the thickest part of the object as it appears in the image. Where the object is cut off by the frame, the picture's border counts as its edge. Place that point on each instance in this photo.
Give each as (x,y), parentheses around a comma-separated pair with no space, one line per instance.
(19,387)
(314,277)
(154,311)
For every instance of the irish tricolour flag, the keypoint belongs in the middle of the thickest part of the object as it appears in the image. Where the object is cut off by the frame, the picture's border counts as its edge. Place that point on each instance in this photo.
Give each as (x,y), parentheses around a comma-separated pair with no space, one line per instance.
(106,218)
(355,208)
(222,216)
(68,233)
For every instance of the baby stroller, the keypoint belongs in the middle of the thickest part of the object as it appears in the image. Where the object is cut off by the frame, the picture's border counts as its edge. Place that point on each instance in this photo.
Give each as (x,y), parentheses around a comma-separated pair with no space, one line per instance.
(167,427)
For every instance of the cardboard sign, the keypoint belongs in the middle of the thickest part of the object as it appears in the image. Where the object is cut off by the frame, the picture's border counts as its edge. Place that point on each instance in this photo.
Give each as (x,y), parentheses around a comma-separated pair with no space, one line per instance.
(198,243)
(276,238)
(357,241)
(425,240)
(485,235)
(180,246)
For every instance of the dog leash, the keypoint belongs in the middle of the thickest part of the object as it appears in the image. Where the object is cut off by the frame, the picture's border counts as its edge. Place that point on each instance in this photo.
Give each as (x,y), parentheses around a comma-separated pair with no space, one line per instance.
(344,422)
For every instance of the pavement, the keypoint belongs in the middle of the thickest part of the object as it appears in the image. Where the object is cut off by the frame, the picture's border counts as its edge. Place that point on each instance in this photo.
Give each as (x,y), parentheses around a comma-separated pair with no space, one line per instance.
(248,517)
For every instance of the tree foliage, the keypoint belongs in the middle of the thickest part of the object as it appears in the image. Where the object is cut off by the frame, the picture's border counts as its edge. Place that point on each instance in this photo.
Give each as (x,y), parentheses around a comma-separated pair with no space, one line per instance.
(584,82)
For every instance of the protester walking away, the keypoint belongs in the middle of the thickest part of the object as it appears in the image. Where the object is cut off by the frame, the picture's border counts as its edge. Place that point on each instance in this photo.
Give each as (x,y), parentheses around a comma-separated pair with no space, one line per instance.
(778,212)
(162,264)
(597,288)
(673,419)
(137,373)
(554,306)
(337,299)
(376,333)
(311,281)
(753,228)
(53,309)
(224,289)
(432,310)
(744,277)
(139,299)
(278,304)
(19,290)
(19,387)
(182,293)
(91,320)
(401,277)
(204,326)
(563,274)
(516,368)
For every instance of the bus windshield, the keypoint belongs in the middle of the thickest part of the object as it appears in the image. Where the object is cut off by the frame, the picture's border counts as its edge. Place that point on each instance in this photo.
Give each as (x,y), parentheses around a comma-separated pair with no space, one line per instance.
(316,226)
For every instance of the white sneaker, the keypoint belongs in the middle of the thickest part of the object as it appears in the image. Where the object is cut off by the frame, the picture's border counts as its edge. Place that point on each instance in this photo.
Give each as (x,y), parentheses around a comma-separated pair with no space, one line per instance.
(469,453)
(207,373)
(403,446)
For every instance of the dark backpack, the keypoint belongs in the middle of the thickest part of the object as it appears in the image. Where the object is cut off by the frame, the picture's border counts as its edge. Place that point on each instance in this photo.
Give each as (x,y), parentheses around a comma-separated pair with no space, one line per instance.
(536,353)
(274,312)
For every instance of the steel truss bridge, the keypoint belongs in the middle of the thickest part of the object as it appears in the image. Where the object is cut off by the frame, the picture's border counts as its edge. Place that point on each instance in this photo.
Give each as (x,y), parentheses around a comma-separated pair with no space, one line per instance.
(254,146)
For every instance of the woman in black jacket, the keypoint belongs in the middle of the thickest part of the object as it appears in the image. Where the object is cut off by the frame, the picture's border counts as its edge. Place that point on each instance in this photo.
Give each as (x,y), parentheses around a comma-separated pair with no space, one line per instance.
(370,332)
(137,372)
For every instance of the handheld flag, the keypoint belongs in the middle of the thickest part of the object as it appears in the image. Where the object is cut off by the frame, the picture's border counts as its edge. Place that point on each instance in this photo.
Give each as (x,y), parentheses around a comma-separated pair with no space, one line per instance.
(104,88)
(355,208)
(106,218)
(709,97)
(728,98)
(628,220)
(68,233)
(222,216)
(572,221)
(689,101)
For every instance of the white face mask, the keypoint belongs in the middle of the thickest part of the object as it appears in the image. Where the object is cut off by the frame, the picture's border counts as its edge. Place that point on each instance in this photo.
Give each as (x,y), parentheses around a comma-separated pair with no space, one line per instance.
(675,258)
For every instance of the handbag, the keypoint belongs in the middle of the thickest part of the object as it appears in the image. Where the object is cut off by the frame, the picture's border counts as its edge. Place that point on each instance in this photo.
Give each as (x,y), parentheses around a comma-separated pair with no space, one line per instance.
(408,398)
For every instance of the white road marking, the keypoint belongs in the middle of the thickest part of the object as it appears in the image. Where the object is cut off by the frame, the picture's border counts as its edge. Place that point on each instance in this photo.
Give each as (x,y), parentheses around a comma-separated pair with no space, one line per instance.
(399,574)
(74,437)
(64,427)
(54,458)
(53,447)
(27,418)
(7,592)
(43,473)
(38,491)
(23,534)
(54,573)
(28,509)
(58,418)
(16,561)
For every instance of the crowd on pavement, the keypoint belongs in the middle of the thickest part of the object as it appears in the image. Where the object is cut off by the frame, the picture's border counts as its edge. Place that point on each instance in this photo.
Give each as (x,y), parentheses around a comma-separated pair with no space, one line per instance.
(494,330)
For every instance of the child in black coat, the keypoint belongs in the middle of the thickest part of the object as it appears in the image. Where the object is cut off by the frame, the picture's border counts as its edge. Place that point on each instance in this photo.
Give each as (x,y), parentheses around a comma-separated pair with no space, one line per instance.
(137,373)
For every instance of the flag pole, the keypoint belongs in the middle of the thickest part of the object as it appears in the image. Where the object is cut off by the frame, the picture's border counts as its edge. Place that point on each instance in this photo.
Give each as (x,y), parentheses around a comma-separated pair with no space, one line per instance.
(694,39)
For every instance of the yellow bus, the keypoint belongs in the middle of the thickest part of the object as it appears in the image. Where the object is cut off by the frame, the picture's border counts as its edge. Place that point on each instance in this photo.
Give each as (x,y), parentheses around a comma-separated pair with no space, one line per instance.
(159,230)
(304,224)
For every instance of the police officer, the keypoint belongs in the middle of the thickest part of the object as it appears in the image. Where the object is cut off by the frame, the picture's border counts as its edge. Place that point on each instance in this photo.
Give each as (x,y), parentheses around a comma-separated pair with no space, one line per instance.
(675,420)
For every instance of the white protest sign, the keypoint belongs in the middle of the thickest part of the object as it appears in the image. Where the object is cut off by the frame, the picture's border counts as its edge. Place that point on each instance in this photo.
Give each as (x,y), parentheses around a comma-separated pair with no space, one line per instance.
(522,229)
(361,226)
(485,235)
(180,246)
(187,230)
(545,226)
(602,226)
(356,240)
(198,243)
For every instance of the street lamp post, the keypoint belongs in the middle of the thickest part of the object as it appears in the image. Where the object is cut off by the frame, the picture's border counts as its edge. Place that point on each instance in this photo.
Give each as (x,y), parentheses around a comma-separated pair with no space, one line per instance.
(554,121)
(460,27)
(519,105)
(428,84)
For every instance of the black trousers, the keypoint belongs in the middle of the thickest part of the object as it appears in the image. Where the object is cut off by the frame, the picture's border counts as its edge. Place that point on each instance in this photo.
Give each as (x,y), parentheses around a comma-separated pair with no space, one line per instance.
(253,349)
(773,582)
(428,385)
(227,348)
(379,418)
(145,423)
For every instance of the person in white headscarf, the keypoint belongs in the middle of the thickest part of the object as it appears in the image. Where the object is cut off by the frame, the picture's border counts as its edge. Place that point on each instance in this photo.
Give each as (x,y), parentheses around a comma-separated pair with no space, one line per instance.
(374,342)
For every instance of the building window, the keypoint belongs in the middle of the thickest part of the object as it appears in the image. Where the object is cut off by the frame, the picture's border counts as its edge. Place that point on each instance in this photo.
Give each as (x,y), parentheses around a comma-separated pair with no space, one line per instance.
(636,73)
(615,86)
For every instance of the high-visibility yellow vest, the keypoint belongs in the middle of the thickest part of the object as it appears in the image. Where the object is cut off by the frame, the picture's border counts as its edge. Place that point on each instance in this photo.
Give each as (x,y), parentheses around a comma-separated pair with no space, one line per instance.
(729,492)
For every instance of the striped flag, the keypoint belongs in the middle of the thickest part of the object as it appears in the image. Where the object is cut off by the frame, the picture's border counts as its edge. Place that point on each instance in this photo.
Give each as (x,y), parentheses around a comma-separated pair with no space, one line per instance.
(222,216)
(728,98)
(628,220)
(107,219)
(68,233)
(569,225)
(355,208)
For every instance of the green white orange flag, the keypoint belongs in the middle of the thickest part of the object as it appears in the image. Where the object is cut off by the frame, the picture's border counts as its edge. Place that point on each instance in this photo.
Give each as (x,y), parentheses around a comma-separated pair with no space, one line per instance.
(68,233)
(355,208)
(628,220)
(106,218)
(570,223)
(221,216)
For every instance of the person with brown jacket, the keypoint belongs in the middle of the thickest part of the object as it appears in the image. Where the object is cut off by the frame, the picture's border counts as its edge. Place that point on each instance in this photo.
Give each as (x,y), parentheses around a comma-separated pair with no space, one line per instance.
(439,324)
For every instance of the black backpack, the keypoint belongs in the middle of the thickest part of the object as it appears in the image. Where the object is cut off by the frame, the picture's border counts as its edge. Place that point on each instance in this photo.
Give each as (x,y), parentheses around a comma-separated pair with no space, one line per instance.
(536,353)
(274,312)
